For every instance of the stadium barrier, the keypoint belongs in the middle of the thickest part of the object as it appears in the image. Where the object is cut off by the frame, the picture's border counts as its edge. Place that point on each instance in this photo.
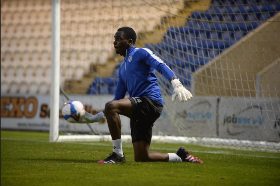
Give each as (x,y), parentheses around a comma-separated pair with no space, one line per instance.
(202,117)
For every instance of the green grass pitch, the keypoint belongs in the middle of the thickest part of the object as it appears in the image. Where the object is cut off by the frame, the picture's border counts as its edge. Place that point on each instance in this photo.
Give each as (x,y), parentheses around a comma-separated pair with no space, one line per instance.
(27,159)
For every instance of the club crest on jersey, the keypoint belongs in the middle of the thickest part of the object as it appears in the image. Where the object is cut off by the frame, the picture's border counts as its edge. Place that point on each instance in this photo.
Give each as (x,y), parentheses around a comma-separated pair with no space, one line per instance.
(130,59)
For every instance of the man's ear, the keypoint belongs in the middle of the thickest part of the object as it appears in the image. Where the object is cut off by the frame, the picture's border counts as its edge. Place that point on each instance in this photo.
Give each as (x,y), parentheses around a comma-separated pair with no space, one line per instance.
(130,42)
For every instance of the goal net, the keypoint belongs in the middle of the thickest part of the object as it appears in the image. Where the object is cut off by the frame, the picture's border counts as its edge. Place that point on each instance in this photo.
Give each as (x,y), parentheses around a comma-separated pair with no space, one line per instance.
(226,52)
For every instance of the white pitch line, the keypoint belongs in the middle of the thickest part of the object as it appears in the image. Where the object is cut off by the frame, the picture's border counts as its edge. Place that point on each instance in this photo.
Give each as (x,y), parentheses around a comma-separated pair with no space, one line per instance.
(152,148)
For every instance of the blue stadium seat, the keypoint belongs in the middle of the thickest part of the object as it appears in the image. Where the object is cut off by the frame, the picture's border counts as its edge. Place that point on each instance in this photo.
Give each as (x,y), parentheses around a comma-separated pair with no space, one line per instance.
(202,34)
(184,74)
(245,9)
(212,53)
(264,16)
(193,25)
(187,77)
(92,89)
(237,35)
(112,89)
(207,33)
(240,2)
(199,15)
(252,17)
(214,35)
(103,89)
(216,10)
(252,2)
(227,3)
(166,57)
(216,3)
(219,26)
(227,36)
(275,6)
(215,17)
(177,54)
(201,58)
(157,48)
(239,18)
(169,41)
(227,18)
(251,23)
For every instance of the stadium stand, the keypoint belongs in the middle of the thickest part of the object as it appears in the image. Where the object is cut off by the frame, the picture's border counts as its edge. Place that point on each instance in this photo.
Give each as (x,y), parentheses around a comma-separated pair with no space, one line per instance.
(14,87)
(44,88)
(26,35)
(206,35)
(23,87)
(33,88)
(4,86)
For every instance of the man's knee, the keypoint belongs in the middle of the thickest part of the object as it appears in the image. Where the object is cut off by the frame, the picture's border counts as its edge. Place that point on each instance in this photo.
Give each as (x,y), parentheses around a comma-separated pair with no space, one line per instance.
(141,158)
(109,107)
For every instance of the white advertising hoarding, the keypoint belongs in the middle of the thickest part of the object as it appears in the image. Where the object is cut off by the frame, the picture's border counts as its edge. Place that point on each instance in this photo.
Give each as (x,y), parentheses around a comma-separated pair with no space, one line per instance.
(229,118)
(33,113)
(194,118)
(250,119)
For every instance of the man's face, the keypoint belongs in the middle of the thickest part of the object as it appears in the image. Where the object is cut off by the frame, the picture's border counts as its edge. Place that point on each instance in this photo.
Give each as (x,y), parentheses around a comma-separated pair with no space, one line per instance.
(120,43)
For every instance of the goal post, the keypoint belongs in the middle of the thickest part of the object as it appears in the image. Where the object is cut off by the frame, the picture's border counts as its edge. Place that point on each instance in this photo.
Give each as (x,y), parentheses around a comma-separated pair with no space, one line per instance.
(55,75)
(226,52)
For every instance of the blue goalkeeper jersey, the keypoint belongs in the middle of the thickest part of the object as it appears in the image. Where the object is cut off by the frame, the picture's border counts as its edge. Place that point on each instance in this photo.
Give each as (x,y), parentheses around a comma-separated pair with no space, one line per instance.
(137,74)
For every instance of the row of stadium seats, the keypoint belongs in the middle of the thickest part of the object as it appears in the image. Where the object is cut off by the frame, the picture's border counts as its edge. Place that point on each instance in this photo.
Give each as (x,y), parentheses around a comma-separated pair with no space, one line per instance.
(73,28)
(193,39)
(216,40)
(37,29)
(120,4)
(12,5)
(239,18)
(26,16)
(104,85)
(39,73)
(245,22)
(239,2)
(24,87)
(189,58)
(198,34)
(28,73)
(231,10)
(116,14)
(43,58)
(26,58)
(204,37)
(25,43)
(100,28)
(87,30)
(77,42)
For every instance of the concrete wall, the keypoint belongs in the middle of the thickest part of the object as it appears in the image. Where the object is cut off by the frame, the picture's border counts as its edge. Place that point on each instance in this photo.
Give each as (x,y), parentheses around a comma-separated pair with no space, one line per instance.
(268,81)
(233,73)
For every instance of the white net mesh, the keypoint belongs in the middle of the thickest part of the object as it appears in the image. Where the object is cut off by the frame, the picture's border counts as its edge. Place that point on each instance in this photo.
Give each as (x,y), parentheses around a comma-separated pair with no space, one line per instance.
(225,51)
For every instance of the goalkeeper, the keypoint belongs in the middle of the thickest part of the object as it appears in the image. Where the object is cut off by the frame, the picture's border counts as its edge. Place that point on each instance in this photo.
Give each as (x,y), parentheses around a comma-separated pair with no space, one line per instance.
(145,104)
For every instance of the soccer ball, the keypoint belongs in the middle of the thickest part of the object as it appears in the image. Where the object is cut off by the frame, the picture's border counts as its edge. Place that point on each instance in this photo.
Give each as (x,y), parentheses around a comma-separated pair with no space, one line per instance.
(73,111)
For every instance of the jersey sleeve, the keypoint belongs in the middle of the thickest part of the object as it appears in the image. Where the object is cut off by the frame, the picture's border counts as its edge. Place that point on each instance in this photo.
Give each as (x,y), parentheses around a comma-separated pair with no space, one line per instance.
(120,90)
(154,61)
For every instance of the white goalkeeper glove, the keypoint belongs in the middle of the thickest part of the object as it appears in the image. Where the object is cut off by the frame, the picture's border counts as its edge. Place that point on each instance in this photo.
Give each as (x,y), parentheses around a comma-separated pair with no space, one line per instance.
(180,91)
(89,118)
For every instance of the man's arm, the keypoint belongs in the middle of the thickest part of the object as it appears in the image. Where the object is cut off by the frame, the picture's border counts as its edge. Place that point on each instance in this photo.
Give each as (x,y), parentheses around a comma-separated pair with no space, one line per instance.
(121,88)
(155,62)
